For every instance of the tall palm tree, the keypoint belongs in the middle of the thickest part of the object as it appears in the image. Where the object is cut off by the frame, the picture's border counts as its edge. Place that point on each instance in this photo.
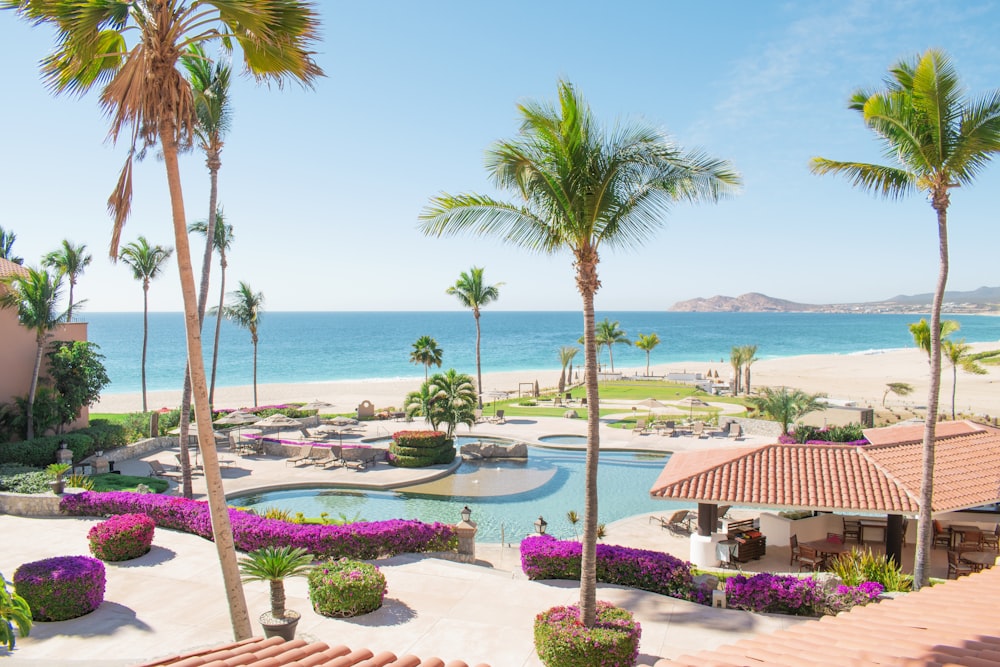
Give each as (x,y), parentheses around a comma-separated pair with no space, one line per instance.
(647,343)
(70,260)
(146,262)
(223,242)
(610,333)
(786,405)
(426,351)
(940,140)
(749,356)
(7,246)
(473,293)
(210,86)
(959,354)
(146,96)
(736,361)
(581,187)
(244,310)
(35,297)
(566,354)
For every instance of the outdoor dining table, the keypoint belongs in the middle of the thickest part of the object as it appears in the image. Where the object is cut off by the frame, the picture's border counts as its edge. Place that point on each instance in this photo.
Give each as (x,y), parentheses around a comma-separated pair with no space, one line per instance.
(979,559)
(958,531)
(828,547)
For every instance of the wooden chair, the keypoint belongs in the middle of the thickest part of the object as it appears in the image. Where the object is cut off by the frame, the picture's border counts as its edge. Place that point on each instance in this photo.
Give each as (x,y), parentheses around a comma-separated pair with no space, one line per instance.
(305,453)
(941,535)
(793,543)
(992,540)
(810,558)
(956,567)
(679,521)
(972,540)
(852,528)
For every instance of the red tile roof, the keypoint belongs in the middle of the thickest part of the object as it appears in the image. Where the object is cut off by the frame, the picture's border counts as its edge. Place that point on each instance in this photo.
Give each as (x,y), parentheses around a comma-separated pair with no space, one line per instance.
(9,268)
(276,652)
(954,623)
(882,477)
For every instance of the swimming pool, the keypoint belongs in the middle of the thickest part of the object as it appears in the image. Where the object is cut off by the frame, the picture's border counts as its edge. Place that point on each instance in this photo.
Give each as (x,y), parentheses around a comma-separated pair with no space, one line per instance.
(506,497)
(564,439)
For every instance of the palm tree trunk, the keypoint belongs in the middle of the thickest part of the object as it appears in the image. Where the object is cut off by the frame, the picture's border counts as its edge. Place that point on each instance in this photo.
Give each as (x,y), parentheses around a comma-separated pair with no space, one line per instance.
(479,369)
(647,363)
(69,311)
(40,338)
(218,322)
(255,372)
(588,562)
(145,337)
(277,598)
(222,532)
(921,567)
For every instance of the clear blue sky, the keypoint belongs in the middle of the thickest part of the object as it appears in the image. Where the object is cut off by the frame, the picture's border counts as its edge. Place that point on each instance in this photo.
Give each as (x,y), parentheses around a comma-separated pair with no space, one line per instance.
(324,186)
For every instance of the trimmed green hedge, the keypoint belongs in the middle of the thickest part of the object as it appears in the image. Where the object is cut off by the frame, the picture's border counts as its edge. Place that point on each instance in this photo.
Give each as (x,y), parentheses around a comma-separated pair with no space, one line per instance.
(41,451)
(418,449)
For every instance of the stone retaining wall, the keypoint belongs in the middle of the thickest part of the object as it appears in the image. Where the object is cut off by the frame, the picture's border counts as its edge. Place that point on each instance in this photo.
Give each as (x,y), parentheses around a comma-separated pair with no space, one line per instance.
(756,426)
(24,504)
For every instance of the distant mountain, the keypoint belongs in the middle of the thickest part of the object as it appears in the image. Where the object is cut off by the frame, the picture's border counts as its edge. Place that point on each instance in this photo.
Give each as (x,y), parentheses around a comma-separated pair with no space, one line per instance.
(984,299)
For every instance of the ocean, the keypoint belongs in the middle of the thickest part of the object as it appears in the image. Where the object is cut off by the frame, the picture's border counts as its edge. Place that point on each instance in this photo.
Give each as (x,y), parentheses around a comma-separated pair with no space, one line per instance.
(326,346)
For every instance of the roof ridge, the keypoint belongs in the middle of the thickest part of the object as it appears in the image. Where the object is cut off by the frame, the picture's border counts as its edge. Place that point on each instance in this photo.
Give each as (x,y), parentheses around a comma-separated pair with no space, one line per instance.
(915,499)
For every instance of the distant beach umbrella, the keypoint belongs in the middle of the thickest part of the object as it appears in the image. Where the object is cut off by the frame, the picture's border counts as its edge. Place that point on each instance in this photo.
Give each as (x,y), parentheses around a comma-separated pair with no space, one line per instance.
(651,404)
(279,420)
(316,405)
(343,421)
(691,402)
(237,418)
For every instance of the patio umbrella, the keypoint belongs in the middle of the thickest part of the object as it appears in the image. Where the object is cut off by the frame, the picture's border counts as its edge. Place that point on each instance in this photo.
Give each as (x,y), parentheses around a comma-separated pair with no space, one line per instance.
(238,419)
(278,420)
(316,405)
(651,403)
(691,401)
(494,395)
(343,421)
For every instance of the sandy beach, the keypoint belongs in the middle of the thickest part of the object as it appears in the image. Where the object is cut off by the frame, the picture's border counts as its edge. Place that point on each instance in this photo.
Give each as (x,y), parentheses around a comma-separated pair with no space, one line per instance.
(860,377)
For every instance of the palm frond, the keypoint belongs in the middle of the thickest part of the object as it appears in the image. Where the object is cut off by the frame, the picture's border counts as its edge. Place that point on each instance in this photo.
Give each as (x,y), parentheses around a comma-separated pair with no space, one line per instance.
(888,182)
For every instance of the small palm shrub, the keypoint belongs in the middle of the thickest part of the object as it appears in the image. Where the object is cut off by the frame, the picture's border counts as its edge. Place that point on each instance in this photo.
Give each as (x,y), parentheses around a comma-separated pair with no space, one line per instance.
(346,588)
(60,588)
(14,610)
(274,565)
(122,537)
(78,481)
(561,640)
(858,567)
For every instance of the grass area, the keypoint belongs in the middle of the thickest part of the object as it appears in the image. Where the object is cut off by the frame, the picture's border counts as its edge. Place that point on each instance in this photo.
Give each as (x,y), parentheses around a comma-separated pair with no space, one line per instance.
(114,482)
(111,417)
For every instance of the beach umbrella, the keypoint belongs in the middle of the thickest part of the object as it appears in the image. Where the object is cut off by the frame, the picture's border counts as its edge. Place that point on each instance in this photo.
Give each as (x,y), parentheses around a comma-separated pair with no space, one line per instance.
(343,421)
(691,401)
(237,418)
(494,395)
(651,404)
(316,405)
(280,421)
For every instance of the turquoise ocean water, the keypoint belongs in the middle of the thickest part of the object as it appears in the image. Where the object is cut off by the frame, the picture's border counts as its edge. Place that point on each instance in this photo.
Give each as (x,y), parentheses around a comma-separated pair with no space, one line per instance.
(325,346)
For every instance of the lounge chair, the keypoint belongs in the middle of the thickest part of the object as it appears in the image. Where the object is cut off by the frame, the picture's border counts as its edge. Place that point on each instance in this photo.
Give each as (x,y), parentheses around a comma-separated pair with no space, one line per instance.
(498,418)
(679,521)
(478,413)
(305,453)
(156,468)
(735,432)
(698,429)
(332,459)
(640,426)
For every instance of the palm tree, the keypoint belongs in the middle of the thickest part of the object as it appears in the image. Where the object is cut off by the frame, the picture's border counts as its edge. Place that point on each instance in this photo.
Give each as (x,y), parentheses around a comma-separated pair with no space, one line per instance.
(748,357)
(7,247)
(646,343)
(244,310)
(420,403)
(454,400)
(898,388)
(70,261)
(146,262)
(35,295)
(921,332)
(581,187)
(426,351)
(941,140)
(473,293)
(145,95)
(610,334)
(785,406)
(223,242)
(736,361)
(959,353)
(274,565)
(566,354)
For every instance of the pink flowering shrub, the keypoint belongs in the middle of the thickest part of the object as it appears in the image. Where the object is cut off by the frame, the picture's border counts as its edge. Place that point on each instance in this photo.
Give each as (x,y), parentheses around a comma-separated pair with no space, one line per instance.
(346,588)
(362,540)
(562,640)
(544,557)
(785,594)
(122,537)
(61,588)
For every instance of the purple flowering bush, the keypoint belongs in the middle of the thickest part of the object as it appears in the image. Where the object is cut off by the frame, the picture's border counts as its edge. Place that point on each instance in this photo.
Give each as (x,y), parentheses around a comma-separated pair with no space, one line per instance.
(61,588)
(346,588)
(361,540)
(544,557)
(562,640)
(785,594)
(122,537)
(845,598)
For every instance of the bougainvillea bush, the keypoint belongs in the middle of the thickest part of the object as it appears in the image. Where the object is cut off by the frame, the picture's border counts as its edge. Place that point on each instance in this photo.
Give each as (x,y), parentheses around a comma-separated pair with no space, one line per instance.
(562,640)
(346,588)
(785,594)
(60,588)
(122,537)
(544,557)
(362,540)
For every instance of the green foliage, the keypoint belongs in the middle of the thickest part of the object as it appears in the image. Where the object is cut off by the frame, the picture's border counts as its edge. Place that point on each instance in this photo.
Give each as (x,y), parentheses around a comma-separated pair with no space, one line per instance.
(104,434)
(77,375)
(45,412)
(417,449)
(57,470)
(276,513)
(14,610)
(785,405)
(114,482)
(39,452)
(561,640)
(857,567)
(274,565)
(845,433)
(8,421)
(78,481)
(346,588)
(16,478)
(135,426)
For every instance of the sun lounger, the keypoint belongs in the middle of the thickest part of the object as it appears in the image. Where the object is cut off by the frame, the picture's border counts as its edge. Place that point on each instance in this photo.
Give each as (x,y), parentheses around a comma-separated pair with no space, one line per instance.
(735,432)
(305,453)
(498,418)
(332,458)
(679,521)
(698,429)
(156,468)
(640,426)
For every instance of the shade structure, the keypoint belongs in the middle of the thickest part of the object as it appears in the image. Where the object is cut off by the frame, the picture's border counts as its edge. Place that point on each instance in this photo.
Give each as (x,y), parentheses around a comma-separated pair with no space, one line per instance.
(316,405)
(343,421)
(237,418)
(652,404)
(691,402)
(279,420)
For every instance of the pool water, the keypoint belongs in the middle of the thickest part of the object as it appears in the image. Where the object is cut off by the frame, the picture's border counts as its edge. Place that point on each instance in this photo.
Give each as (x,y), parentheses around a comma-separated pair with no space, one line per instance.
(564,439)
(506,497)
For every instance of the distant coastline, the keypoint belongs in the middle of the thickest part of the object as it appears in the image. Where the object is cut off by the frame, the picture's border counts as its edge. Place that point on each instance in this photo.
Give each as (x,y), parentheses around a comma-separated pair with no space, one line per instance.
(983,301)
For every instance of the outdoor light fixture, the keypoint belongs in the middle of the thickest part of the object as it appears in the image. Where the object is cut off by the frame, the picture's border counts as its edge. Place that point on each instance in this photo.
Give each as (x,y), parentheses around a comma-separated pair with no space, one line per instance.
(541,525)
(466,514)
(63,445)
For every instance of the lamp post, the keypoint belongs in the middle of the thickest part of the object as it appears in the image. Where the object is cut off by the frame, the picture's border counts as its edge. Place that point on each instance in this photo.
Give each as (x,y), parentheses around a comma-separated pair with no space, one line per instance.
(540,525)
(466,514)
(466,531)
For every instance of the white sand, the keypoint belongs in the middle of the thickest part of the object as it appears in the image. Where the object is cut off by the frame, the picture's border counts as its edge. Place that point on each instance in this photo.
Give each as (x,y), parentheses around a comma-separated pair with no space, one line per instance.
(856,377)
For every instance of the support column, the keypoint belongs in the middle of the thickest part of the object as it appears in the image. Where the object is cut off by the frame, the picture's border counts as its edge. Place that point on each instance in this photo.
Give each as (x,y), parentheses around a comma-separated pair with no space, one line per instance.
(708,518)
(894,538)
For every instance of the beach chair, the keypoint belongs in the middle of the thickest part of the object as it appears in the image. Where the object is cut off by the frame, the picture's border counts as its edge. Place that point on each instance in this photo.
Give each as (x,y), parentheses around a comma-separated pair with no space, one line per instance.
(305,453)
(640,426)
(332,458)
(498,418)
(156,468)
(678,522)
(698,429)
(735,431)
(478,414)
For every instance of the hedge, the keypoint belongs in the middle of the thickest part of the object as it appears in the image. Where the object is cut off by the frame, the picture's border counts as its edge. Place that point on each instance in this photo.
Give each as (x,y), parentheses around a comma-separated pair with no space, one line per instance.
(418,449)
(362,540)
(41,451)
(61,588)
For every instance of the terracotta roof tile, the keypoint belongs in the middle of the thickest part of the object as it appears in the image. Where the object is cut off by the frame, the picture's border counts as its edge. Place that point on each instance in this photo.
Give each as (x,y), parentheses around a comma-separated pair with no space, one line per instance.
(276,652)
(955,623)
(9,268)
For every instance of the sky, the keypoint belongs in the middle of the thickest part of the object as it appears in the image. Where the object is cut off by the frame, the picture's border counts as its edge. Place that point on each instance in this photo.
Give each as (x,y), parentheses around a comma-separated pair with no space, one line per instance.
(324,186)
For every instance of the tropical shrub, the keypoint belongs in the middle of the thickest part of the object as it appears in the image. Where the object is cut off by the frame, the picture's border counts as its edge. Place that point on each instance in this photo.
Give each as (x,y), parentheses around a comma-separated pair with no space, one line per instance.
(78,481)
(857,567)
(114,482)
(17,478)
(346,588)
(544,557)
(845,598)
(61,588)
(122,537)
(850,434)
(44,412)
(416,449)
(785,594)
(561,639)
(362,540)
(104,434)
(136,426)
(40,452)
(14,610)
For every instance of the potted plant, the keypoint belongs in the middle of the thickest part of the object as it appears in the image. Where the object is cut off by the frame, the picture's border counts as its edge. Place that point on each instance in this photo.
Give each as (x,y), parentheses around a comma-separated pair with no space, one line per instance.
(56,471)
(274,564)
(14,610)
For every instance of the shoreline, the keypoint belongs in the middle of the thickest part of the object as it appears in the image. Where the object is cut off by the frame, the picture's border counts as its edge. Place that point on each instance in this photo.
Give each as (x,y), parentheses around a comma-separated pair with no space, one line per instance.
(855,376)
